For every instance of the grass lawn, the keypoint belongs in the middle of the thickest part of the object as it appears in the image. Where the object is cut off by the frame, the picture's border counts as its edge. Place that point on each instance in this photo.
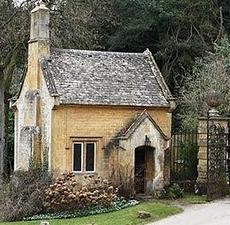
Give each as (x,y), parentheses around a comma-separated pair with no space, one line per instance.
(193,199)
(127,216)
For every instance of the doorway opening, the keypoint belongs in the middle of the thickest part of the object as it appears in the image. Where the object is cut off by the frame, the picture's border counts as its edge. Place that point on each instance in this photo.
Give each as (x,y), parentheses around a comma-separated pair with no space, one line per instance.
(144,169)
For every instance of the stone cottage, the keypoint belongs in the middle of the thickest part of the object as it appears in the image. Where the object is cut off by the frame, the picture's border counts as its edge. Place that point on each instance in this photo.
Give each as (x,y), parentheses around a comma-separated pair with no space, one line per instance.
(92,112)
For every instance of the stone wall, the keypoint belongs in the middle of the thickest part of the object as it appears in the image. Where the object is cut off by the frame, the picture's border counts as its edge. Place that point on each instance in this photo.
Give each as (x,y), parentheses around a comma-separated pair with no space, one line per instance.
(46,106)
(157,142)
(202,154)
(27,130)
(101,124)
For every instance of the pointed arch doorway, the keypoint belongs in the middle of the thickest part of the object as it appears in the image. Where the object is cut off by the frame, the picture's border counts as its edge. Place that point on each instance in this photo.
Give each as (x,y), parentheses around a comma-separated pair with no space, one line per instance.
(144,169)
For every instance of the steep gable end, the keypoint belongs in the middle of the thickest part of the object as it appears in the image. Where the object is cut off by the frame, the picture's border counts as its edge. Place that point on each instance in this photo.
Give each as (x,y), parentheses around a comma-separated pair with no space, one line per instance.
(137,122)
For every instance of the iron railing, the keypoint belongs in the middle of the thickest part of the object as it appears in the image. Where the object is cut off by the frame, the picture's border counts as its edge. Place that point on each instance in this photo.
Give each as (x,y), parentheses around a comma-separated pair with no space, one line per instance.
(184,152)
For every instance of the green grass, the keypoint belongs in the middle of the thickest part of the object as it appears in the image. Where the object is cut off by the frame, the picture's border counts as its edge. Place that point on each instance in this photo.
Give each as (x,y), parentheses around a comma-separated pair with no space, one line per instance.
(193,199)
(127,216)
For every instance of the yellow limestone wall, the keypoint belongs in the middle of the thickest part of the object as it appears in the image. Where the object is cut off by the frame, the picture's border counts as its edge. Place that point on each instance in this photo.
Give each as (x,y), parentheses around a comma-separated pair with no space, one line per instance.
(71,123)
(28,110)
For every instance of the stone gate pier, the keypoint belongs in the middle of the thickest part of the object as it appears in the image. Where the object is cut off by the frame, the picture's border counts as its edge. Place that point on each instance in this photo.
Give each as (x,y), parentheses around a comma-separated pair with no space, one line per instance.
(208,163)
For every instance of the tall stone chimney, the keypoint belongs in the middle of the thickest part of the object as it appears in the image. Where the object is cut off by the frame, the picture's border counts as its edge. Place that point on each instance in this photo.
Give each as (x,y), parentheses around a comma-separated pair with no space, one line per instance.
(28,118)
(39,42)
(39,29)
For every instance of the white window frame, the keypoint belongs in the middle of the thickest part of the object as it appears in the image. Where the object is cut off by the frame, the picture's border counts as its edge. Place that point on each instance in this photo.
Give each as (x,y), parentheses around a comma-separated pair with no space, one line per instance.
(83,156)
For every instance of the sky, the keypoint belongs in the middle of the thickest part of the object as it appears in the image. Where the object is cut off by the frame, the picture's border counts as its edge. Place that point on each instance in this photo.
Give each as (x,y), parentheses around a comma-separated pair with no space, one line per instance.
(18,2)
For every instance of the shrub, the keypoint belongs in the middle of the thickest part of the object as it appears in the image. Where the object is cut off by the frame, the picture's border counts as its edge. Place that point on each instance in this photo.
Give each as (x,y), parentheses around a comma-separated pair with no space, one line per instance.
(24,195)
(173,191)
(122,177)
(70,192)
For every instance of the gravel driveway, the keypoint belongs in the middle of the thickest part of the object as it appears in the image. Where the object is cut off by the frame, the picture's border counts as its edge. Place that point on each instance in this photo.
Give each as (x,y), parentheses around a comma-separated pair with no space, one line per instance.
(214,213)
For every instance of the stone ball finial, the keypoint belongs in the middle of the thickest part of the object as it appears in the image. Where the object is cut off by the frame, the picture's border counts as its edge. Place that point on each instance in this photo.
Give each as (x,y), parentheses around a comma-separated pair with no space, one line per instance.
(214,99)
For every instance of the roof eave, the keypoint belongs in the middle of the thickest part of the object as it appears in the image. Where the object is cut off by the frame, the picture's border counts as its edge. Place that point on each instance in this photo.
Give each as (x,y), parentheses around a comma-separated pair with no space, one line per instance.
(168,106)
(160,79)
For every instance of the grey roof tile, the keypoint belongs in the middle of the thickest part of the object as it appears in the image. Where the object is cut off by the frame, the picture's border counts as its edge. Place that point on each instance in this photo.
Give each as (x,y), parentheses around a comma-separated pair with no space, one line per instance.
(104,78)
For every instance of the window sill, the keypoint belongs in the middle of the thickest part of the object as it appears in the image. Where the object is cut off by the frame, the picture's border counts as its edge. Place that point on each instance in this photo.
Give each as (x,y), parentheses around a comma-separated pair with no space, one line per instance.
(84,173)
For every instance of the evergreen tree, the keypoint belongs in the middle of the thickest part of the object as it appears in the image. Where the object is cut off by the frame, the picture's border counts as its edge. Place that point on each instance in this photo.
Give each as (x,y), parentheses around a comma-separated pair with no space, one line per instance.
(176,31)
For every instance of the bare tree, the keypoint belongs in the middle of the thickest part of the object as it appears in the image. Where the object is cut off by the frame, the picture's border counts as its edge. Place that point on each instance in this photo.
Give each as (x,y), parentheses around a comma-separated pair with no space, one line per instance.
(211,73)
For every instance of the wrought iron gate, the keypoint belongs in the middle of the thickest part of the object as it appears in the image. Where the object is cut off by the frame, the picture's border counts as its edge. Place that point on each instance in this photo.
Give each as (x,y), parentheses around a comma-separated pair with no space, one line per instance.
(184,150)
(216,164)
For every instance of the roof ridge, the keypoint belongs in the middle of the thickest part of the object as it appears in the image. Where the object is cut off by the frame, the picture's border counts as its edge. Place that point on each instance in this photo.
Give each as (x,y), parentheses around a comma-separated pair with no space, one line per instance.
(96,51)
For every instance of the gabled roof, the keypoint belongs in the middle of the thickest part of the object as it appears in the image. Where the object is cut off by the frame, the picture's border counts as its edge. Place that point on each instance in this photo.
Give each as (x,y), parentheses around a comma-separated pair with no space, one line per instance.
(105,78)
(126,133)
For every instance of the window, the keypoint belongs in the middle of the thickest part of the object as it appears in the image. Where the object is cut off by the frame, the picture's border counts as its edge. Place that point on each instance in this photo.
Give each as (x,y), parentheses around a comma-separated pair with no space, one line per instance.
(77,157)
(84,156)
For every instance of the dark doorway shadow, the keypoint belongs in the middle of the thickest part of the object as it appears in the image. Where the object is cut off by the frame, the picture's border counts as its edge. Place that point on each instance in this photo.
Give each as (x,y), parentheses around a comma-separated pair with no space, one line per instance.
(144,169)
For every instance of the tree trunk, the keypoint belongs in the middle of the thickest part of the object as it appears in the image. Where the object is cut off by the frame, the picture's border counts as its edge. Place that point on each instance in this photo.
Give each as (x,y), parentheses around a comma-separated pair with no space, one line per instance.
(2,127)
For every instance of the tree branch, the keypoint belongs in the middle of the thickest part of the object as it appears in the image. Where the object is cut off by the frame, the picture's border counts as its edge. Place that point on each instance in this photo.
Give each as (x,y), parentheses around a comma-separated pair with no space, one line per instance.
(221,29)
(199,34)
(11,17)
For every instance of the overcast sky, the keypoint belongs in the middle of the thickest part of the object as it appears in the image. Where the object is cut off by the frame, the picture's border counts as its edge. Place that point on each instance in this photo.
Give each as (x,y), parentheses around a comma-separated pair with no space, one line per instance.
(18,2)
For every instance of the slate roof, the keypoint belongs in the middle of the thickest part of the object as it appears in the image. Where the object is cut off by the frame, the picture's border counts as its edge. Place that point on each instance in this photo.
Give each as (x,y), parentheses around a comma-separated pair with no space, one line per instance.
(105,78)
